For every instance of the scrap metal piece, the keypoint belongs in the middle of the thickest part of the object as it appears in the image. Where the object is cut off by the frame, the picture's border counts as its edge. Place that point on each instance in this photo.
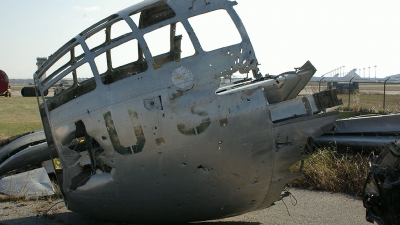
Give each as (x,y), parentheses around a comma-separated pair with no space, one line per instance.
(165,145)
(21,143)
(368,133)
(30,156)
(33,183)
(381,194)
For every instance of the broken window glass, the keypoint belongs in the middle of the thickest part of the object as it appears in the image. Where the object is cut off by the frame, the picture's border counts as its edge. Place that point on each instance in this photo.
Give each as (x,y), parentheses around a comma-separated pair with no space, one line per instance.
(215,30)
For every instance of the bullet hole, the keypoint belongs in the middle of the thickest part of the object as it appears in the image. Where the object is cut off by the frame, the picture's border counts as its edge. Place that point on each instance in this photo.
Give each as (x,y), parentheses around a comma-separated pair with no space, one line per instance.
(183,164)
(220,142)
(152,103)
(103,138)
(202,168)
(248,100)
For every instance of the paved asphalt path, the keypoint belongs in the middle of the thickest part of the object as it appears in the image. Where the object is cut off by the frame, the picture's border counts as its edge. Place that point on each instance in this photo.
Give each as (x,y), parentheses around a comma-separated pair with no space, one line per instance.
(313,207)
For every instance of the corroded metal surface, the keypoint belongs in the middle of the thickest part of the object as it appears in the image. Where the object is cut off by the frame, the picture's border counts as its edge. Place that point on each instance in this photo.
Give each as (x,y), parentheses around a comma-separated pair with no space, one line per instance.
(166,143)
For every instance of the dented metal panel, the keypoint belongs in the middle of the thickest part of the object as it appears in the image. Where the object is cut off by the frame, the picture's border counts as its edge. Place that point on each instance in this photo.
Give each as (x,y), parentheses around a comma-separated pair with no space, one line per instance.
(33,183)
(161,136)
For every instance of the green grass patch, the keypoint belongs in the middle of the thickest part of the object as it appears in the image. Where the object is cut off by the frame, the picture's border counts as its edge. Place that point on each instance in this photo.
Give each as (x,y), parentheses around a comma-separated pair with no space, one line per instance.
(18,115)
(330,170)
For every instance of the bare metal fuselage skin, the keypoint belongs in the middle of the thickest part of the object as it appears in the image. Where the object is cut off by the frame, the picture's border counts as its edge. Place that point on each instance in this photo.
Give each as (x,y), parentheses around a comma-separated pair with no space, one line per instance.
(164,146)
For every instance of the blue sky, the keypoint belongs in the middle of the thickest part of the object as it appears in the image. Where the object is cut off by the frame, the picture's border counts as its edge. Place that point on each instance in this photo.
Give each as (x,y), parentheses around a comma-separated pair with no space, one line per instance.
(285,34)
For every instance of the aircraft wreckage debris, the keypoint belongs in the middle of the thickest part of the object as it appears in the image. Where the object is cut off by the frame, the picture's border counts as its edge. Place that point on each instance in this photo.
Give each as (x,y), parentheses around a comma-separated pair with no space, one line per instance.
(156,139)
(382,188)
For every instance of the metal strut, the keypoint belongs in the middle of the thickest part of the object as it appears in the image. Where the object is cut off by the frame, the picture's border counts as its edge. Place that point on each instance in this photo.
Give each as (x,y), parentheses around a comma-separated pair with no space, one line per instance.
(195,0)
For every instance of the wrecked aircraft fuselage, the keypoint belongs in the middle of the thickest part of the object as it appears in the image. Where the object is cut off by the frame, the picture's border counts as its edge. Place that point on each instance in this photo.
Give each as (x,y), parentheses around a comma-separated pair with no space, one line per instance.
(165,143)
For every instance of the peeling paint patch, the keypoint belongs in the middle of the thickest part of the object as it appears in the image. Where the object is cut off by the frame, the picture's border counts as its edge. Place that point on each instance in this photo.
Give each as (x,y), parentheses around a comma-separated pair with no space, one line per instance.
(141,140)
(182,78)
(176,95)
(188,131)
(223,122)
(191,131)
(114,136)
(205,123)
(160,141)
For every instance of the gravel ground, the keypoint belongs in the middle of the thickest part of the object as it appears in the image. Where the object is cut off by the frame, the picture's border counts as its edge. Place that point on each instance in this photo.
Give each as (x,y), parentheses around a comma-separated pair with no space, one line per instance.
(313,207)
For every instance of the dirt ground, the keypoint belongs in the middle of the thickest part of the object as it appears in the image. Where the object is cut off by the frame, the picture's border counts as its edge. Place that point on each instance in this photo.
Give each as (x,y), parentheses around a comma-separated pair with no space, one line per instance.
(312,207)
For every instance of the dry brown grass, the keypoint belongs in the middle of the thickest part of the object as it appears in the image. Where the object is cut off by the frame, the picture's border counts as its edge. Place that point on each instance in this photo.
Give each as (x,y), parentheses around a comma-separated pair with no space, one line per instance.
(22,198)
(332,171)
(370,103)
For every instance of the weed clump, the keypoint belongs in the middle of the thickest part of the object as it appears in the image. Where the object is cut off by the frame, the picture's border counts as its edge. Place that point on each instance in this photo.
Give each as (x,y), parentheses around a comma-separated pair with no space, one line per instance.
(330,170)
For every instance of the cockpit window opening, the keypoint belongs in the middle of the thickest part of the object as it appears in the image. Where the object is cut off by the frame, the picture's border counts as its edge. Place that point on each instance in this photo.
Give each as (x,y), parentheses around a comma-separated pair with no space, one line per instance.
(136,18)
(215,30)
(120,28)
(58,67)
(97,40)
(169,43)
(120,62)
